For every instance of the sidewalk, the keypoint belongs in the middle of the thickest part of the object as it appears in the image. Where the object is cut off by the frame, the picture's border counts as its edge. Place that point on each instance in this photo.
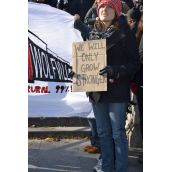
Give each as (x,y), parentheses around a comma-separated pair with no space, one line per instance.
(67,155)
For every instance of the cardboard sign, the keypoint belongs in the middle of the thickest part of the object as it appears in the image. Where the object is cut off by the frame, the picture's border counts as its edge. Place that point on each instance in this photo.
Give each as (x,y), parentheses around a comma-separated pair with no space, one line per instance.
(88,58)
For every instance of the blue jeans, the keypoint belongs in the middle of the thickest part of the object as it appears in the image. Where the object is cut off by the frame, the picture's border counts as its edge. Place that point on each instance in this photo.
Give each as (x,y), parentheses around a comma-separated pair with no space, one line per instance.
(110,120)
(94,135)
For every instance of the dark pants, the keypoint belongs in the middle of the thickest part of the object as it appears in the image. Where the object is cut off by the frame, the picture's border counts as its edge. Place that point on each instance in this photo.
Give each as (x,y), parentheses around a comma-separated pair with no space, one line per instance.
(140,106)
(94,135)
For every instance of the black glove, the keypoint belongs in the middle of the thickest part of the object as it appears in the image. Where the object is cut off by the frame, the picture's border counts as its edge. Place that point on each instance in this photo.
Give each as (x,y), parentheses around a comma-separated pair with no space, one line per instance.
(111,72)
(107,71)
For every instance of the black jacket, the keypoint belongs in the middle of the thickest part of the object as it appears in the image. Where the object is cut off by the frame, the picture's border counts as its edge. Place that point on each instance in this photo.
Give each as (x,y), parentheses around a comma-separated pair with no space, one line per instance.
(75,7)
(122,55)
(70,6)
(91,15)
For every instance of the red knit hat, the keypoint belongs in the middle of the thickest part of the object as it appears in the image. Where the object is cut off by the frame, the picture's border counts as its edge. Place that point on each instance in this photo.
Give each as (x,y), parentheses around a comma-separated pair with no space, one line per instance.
(115,4)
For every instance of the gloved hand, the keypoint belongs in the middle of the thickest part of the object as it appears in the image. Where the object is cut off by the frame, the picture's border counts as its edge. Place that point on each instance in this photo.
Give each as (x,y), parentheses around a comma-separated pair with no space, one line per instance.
(112,72)
(107,71)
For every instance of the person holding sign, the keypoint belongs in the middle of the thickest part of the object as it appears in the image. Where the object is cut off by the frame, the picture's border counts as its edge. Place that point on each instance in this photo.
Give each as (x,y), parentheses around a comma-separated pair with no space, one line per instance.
(122,62)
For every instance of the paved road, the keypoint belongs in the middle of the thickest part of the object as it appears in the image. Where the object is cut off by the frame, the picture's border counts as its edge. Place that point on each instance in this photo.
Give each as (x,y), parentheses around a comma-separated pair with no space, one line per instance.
(67,155)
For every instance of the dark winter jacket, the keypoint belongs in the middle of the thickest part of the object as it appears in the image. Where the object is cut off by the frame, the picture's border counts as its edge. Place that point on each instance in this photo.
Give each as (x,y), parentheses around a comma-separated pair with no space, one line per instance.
(138,78)
(91,15)
(85,6)
(75,7)
(129,3)
(70,6)
(122,56)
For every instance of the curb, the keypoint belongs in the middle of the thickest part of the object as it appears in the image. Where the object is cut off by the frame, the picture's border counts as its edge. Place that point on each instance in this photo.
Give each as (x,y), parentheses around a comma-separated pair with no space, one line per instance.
(58,121)
(43,132)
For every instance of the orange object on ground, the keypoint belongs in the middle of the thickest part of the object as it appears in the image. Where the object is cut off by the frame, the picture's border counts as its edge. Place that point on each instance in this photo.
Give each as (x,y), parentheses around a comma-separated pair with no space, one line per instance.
(91,149)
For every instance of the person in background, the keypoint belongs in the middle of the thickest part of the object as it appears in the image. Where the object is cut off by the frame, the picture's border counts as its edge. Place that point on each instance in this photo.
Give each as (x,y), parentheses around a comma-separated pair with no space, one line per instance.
(90,19)
(129,3)
(139,78)
(75,6)
(110,106)
(85,6)
(70,6)
(62,4)
(91,15)
(125,7)
(135,21)
(133,17)
(138,4)
(94,139)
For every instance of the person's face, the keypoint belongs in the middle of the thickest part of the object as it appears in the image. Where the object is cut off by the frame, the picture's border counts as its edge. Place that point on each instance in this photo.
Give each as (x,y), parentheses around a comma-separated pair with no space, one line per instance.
(106,13)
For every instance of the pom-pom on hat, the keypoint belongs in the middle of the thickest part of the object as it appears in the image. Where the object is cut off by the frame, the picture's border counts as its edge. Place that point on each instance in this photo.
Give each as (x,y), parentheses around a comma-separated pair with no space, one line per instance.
(115,4)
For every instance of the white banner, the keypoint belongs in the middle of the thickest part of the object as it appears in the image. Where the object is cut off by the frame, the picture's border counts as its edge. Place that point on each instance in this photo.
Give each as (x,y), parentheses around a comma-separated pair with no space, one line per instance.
(50,39)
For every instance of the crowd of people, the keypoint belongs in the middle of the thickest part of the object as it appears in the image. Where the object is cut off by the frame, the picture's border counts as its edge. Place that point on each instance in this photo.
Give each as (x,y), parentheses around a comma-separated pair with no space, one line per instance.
(121,24)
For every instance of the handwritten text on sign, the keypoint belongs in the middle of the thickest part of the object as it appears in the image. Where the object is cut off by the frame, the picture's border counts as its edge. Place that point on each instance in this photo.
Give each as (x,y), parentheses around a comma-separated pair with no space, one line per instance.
(88,58)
